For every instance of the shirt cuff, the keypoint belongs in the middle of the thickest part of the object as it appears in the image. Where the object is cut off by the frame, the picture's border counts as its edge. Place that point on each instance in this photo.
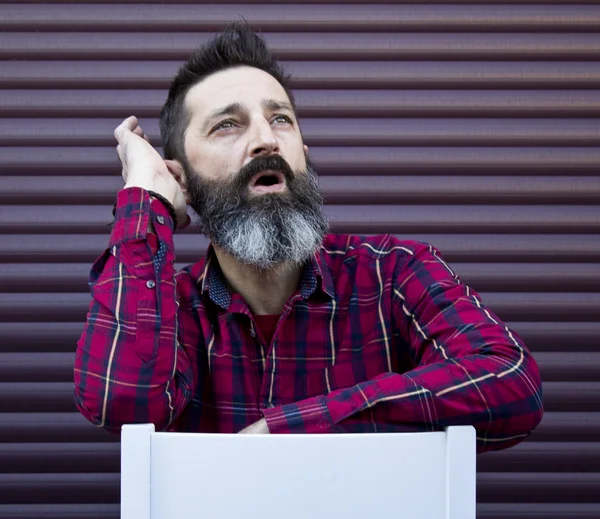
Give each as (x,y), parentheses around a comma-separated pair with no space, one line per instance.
(306,416)
(133,211)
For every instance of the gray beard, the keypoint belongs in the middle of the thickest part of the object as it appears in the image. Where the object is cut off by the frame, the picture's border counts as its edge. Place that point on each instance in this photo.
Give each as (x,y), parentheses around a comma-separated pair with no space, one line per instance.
(265,231)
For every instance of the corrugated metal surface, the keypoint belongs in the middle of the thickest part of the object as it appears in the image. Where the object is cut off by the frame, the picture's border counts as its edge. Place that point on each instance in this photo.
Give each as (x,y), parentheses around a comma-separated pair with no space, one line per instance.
(473,127)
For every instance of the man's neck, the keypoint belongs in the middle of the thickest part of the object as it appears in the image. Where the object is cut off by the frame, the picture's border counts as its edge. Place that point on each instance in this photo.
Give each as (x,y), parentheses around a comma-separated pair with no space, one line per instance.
(265,291)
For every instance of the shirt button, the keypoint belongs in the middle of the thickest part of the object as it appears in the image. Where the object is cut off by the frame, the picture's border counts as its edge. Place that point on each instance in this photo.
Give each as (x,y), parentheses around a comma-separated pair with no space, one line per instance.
(252,333)
(150,284)
(160,219)
(270,405)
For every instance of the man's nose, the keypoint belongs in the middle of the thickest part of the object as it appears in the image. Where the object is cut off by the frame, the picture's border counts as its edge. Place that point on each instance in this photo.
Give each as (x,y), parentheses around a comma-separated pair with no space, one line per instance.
(263,140)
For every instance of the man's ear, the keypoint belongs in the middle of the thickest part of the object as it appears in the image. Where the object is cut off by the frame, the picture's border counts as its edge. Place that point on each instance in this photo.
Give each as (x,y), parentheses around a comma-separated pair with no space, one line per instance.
(178,171)
(306,149)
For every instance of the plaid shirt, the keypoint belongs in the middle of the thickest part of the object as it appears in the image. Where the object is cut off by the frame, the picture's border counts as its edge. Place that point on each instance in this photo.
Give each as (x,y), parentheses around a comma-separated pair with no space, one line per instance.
(381,336)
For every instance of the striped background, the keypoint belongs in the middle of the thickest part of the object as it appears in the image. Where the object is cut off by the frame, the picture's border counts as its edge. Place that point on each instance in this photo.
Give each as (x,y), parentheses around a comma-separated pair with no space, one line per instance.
(473,127)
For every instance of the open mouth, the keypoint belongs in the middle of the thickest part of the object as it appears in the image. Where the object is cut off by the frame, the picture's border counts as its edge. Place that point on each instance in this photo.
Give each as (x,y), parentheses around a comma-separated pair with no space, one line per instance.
(267,182)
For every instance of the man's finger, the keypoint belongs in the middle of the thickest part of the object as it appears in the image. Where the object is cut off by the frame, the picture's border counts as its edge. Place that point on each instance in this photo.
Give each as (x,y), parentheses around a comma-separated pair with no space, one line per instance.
(121,132)
(138,131)
(126,126)
(131,122)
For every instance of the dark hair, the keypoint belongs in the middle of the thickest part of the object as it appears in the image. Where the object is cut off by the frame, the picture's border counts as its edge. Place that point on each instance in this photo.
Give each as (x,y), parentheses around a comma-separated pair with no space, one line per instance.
(237,45)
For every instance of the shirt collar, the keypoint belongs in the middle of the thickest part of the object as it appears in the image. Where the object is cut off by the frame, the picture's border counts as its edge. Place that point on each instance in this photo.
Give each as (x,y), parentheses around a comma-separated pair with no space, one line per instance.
(315,278)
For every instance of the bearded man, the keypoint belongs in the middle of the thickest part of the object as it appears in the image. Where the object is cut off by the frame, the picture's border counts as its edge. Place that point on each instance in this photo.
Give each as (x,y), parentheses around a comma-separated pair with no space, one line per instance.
(282,327)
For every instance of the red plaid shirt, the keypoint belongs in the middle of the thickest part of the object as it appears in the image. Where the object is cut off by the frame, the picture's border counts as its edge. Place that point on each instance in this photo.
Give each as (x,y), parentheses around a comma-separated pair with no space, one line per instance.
(381,336)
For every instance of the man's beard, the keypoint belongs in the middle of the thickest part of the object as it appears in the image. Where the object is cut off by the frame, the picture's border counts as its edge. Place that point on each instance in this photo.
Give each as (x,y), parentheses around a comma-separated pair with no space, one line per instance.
(265,230)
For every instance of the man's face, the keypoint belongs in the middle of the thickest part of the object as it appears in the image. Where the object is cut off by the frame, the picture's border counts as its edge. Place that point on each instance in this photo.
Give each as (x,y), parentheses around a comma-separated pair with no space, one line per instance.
(236,115)
(249,177)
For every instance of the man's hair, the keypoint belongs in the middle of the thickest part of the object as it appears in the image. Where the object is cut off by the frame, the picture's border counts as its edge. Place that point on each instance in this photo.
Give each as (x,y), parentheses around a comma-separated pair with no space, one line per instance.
(236,46)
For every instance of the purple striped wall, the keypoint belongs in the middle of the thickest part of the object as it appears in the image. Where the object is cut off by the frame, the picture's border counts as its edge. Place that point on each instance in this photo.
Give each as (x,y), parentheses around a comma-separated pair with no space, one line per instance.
(473,127)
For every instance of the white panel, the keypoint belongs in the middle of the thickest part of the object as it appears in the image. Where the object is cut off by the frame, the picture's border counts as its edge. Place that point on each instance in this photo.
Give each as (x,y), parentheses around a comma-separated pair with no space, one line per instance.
(352,476)
(461,475)
(135,471)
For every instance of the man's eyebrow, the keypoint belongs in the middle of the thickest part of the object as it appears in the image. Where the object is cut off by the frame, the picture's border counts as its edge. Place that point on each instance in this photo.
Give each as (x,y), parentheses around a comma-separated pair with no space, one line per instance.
(274,105)
(230,109)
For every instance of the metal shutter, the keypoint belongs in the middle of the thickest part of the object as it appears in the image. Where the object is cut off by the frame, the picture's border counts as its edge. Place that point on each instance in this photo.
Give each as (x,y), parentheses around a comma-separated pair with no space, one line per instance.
(473,127)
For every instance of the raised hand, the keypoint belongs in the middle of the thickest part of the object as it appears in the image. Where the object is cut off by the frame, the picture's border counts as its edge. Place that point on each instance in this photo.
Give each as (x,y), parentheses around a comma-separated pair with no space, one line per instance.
(144,167)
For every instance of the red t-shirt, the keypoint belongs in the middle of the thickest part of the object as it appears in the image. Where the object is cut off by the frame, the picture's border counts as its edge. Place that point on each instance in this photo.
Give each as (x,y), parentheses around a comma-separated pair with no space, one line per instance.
(267,325)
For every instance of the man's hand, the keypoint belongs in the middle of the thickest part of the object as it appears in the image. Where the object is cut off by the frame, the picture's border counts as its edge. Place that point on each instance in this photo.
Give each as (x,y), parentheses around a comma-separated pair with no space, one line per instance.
(259,427)
(144,167)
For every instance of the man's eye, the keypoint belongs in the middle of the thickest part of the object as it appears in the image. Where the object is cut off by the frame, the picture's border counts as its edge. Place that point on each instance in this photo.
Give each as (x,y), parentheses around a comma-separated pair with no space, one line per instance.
(224,125)
(283,119)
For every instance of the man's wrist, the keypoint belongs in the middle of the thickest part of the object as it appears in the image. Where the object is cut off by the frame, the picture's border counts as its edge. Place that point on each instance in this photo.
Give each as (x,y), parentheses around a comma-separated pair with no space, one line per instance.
(167,204)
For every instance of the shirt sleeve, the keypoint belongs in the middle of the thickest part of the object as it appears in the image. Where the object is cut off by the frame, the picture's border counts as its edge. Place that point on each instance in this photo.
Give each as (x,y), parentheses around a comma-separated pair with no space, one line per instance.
(470,369)
(129,364)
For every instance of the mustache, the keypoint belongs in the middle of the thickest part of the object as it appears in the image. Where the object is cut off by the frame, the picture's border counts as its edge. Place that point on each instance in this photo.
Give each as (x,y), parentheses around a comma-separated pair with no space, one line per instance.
(263,163)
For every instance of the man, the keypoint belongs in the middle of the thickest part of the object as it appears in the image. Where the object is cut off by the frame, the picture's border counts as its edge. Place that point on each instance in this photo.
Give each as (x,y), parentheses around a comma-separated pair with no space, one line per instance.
(281,328)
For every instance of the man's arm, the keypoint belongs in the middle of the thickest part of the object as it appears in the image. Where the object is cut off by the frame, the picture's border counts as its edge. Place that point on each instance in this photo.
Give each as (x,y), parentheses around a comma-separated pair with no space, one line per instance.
(470,369)
(129,366)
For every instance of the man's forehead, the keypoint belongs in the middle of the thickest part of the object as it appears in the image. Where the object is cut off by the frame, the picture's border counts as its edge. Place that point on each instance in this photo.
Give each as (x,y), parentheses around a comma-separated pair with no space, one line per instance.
(241,85)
